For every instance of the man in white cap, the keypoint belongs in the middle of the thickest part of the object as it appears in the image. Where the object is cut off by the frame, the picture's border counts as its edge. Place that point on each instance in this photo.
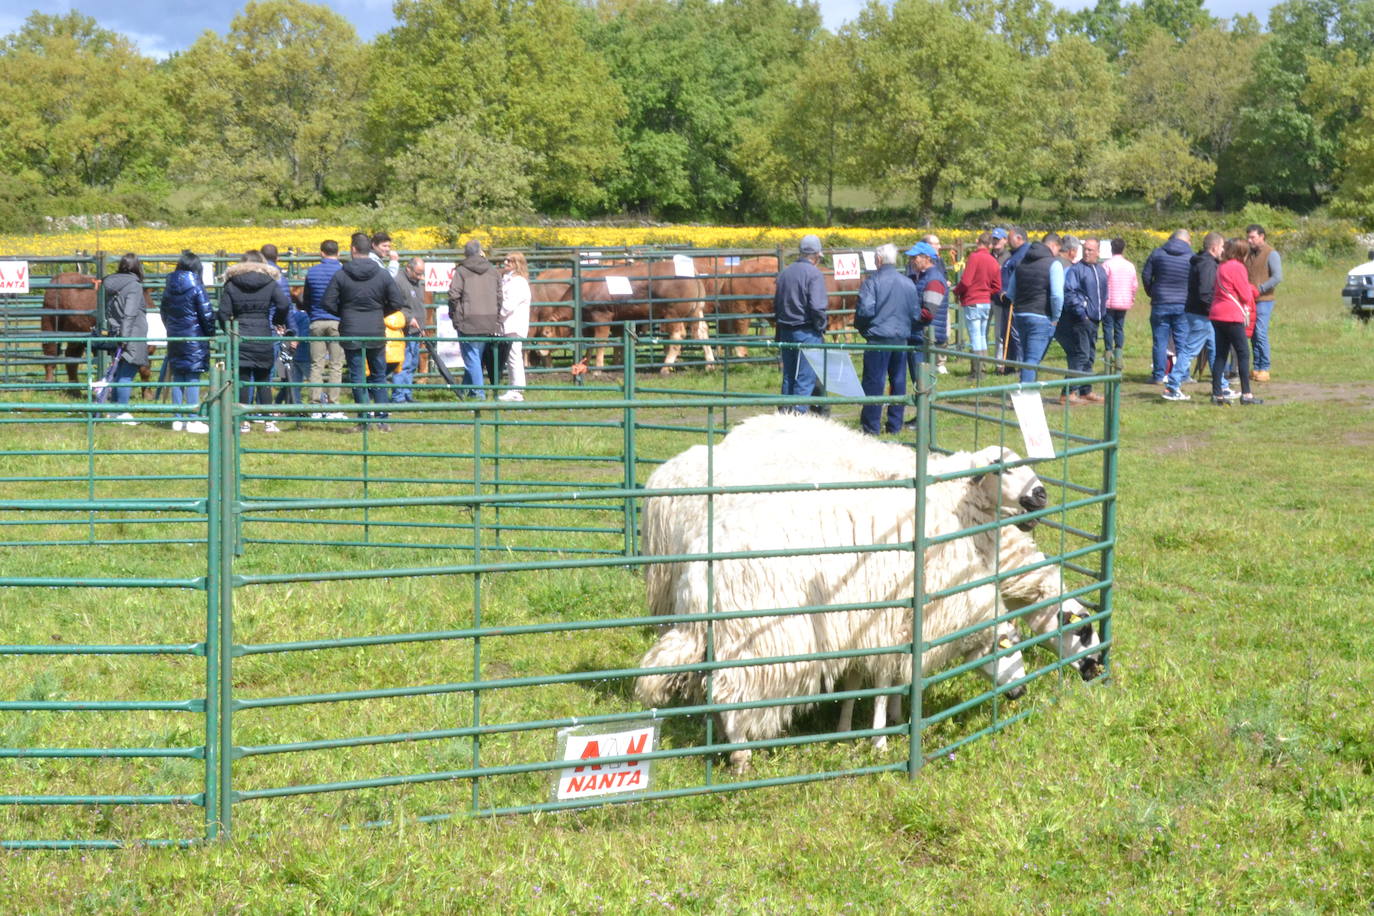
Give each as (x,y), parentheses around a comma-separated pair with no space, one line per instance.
(799,304)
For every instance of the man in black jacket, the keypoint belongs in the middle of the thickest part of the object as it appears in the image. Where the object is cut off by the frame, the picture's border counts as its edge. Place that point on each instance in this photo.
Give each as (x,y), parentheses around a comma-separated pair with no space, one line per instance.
(362,293)
(1198,336)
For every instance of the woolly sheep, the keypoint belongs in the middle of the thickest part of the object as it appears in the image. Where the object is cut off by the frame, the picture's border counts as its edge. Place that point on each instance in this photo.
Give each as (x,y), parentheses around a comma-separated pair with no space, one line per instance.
(821,521)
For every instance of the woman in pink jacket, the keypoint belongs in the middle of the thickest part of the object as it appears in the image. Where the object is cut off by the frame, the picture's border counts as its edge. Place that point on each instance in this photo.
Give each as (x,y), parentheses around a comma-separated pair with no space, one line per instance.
(1233,318)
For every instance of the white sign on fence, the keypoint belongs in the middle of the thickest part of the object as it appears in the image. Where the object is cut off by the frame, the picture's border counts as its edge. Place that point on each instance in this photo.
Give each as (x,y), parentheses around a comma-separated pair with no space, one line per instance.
(591,258)
(157,331)
(446,338)
(618,286)
(846,266)
(14,276)
(684,266)
(870,260)
(207,274)
(438,276)
(590,779)
(1035,432)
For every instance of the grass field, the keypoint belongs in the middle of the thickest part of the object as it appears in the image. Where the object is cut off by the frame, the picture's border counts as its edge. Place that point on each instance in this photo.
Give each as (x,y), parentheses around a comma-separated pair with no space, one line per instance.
(1228,767)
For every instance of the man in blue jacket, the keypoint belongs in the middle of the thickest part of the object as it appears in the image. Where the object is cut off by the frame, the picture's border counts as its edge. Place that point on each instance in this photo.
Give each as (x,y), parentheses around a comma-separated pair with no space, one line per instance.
(1085,304)
(1165,278)
(799,304)
(325,350)
(885,315)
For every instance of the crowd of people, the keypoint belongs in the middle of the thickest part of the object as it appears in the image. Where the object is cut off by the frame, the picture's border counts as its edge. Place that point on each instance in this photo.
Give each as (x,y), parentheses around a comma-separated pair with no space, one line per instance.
(357,327)
(1213,305)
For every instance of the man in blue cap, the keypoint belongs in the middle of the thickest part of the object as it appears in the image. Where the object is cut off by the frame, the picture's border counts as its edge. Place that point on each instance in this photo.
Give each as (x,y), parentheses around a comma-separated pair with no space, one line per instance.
(925,270)
(799,304)
(940,323)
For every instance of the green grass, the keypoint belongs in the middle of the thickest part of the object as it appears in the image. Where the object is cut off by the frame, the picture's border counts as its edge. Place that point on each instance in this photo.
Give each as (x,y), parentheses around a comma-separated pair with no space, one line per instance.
(1228,767)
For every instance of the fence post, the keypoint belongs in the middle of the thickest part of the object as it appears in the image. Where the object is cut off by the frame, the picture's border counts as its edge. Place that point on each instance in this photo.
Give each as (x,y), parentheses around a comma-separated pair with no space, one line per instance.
(627,347)
(916,724)
(221,546)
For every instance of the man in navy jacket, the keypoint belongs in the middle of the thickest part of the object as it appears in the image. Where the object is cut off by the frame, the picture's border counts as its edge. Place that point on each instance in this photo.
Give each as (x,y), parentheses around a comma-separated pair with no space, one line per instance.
(1165,278)
(1085,303)
(885,315)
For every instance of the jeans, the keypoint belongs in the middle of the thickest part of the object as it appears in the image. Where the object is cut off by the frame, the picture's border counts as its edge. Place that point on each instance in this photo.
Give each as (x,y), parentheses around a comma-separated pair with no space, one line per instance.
(798,378)
(976,326)
(404,377)
(124,373)
(884,369)
(1114,329)
(1166,321)
(374,358)
(185,391)
(325,353)
(1078,337)
(1034,332)
(1259,344)
(472,351)
(1197,337)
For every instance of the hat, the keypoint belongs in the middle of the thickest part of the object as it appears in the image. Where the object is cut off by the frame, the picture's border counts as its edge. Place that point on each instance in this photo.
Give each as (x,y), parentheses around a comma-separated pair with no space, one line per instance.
(924,248)
(810,244)
(999,233)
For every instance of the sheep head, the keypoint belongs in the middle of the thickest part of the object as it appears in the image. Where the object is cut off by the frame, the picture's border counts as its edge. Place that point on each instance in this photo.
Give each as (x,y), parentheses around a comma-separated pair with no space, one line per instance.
(1020,490)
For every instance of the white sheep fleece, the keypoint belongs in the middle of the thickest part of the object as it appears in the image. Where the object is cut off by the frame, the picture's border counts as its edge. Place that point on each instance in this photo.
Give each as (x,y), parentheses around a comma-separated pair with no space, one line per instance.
(824,520)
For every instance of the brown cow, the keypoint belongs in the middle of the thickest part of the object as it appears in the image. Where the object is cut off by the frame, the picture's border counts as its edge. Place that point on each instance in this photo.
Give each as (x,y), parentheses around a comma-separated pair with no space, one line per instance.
(70,306)
(650,285)
(752,296)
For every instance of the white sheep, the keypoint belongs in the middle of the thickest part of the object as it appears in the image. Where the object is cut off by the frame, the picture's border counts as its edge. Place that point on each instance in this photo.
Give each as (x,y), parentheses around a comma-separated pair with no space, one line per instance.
(822,521)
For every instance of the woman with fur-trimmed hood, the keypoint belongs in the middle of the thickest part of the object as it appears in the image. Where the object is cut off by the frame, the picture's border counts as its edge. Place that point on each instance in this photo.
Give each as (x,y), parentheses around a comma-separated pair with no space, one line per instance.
(252,297)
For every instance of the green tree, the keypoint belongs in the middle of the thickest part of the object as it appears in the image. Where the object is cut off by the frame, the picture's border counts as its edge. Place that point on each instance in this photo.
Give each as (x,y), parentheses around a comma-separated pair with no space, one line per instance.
(1159,166)
(1075,108)
(464,175)
(802,137)
(519,67)
(81,107)
(1343,89)
(273,110)
(925,130)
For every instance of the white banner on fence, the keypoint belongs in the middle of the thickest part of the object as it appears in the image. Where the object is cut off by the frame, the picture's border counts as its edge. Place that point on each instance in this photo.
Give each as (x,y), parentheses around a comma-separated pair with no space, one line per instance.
(846,266)
(1035,432)
(14,276)
(591,258)
(590,779)
(207,274)
(618,286)
(446,342)
(684,266)
(438,276)
(870,260)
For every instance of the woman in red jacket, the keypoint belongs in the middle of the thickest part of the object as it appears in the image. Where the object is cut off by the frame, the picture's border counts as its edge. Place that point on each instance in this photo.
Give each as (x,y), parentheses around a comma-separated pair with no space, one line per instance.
(1233,318)
(978,287)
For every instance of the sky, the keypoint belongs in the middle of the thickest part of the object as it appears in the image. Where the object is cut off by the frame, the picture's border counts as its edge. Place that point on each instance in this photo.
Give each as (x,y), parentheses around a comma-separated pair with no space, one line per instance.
(160,27)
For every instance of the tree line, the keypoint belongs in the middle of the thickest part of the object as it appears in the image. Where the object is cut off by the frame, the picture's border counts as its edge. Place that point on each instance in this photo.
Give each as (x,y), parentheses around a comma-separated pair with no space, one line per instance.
(469,111)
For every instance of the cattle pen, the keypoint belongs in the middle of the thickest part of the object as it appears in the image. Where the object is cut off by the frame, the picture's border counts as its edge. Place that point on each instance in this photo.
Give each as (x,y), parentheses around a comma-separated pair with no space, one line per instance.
(213,634)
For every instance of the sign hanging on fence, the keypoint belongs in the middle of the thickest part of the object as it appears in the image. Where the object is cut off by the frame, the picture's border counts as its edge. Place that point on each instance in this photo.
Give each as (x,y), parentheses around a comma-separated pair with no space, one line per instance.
(870,260)
(618,286)
(847,266)
(1035,431)
(684,266)
(14,276)
(207,274)
(590,779)
(438,276)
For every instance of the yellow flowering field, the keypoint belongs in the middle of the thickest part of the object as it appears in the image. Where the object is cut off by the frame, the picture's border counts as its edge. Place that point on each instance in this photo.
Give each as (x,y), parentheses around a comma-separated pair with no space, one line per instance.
(234,239)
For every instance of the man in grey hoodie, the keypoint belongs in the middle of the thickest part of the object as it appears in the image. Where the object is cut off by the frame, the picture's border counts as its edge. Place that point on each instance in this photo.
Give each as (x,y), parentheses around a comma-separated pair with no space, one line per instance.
(474,304)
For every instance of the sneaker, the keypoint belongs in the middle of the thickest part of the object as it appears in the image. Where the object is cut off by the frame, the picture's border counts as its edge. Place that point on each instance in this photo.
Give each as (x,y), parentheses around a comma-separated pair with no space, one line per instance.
(1173,394)
(197,427)
(1230,394)
(1246,402)
(510,396)
(317,415)
(336,415)
(1221,402)
(127,419)
(941,369)
(270,427)
(1259,375)
(178,426)
(245,427)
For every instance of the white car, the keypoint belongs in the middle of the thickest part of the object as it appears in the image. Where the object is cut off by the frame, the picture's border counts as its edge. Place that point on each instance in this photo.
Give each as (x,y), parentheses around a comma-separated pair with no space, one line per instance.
(1359,289)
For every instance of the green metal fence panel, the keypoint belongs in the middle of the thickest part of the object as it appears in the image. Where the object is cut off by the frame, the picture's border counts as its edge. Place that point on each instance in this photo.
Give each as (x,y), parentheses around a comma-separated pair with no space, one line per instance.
(371,626)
